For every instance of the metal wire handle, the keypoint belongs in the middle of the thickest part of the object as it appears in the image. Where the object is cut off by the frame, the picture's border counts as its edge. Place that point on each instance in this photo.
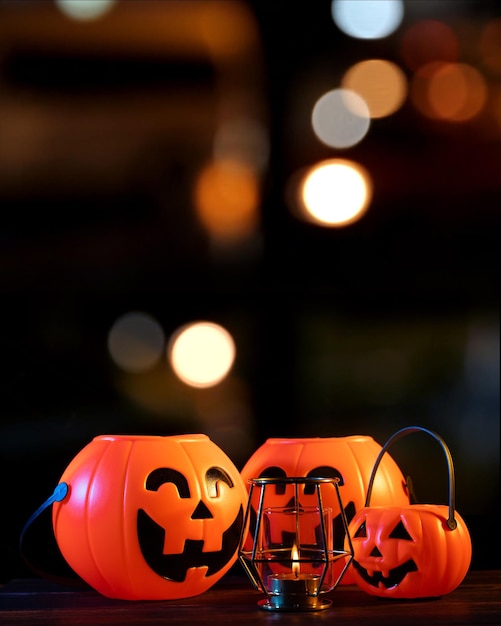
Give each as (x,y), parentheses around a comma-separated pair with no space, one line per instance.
(451,522)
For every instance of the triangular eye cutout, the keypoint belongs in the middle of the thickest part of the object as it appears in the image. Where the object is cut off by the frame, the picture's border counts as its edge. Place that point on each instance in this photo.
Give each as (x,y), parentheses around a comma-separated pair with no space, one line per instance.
(400,532)
(362,531)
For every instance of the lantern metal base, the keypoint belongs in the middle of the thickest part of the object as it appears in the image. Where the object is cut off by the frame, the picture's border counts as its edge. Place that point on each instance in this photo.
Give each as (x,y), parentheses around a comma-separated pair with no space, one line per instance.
(294,603)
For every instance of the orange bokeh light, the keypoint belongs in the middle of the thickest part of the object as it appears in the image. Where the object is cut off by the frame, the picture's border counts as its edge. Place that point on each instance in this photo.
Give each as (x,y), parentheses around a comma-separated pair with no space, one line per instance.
(428,41)
(226,199)
(455,92)
(490,45)
(382,85)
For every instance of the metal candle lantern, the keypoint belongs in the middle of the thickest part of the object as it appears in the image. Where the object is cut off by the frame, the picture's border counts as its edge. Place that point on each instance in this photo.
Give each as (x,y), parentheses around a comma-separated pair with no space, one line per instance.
(288,552)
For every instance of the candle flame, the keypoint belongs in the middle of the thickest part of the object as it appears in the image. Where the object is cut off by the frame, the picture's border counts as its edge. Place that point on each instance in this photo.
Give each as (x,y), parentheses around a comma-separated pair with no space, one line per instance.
(295,560)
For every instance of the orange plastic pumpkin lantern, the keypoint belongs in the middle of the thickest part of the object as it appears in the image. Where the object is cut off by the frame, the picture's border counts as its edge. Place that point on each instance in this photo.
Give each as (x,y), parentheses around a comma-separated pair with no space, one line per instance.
(415,551)
(349,459)
(150,517)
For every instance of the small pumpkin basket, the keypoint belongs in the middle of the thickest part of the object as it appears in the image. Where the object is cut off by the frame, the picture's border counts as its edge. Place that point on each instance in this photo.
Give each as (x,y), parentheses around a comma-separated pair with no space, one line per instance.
(410,551)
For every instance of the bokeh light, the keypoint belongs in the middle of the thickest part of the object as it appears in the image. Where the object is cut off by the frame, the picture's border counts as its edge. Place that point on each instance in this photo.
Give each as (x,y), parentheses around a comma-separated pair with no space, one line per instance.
(490,45)
(83,10)
(340,118)
(244,140)
(454,92)
(367,19)
(457,92)
(419,88)
(381,84)
(427,41)
(201,353)
(227,198)
(335,192)
(136,342)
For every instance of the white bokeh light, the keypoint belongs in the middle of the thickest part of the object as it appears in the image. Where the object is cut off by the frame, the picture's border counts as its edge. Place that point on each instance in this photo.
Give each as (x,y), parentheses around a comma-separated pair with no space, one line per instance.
(201,354)
(136,342)
(84,10)
(340,118)
(367,19)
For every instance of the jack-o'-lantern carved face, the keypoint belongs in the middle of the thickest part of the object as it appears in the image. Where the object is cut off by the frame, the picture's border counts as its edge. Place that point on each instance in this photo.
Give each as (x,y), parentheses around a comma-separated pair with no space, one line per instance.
(154,539)
(385,571)
(150,517)
(409,552)
(349,459)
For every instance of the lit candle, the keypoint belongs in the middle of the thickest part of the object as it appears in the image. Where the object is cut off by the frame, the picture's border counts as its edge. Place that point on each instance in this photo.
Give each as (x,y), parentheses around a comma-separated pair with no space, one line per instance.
(294,590)
(294,584)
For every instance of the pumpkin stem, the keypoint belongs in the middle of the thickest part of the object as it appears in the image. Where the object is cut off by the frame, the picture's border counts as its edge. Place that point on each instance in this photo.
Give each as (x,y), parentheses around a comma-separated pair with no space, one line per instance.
(451,521)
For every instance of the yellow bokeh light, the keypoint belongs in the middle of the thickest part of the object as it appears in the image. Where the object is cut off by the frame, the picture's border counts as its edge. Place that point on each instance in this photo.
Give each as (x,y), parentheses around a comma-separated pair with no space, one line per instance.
(382,85)
(335,192)
(201,354)
(226,199)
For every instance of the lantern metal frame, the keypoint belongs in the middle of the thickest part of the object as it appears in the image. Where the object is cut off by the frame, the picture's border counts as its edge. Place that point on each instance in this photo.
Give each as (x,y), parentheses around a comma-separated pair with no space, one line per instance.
(253,560)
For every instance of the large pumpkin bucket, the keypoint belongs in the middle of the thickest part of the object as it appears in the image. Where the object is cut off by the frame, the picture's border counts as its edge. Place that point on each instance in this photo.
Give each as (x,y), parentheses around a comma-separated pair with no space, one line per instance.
(413,551)
(349,459)
(148,517)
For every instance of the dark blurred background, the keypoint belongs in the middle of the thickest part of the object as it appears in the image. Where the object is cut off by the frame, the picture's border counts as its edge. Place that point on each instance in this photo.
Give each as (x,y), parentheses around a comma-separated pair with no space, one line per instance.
(147,163)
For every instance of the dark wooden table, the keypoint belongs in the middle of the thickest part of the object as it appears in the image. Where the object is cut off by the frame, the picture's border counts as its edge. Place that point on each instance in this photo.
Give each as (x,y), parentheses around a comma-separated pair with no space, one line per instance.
(233,601)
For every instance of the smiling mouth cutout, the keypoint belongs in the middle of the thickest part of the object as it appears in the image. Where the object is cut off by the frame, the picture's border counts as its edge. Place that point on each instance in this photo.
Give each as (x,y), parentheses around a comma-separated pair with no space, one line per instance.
(174,567)
(393,578)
